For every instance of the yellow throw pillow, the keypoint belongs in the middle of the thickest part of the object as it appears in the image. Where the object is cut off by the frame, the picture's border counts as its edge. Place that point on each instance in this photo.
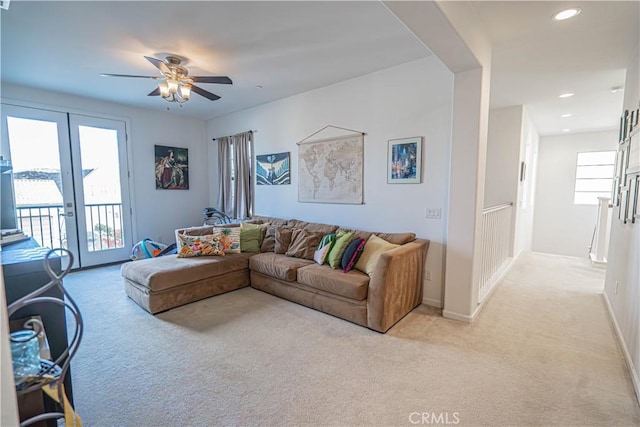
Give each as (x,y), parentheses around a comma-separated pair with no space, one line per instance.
(374,247)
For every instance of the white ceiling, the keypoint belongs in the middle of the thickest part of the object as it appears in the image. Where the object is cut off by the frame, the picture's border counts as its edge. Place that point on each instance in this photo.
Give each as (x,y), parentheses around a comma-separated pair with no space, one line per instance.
(535,59)
(293,47)
(285,47)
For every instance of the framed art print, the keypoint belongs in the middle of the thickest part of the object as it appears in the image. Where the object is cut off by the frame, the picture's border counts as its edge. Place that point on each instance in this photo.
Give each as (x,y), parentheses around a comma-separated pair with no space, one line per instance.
(404,161)
(273,169)
(171,168)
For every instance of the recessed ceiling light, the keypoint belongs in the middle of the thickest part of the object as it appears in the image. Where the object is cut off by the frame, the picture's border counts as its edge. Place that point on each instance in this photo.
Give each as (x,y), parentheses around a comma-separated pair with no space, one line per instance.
(566,95)
(566,130)
(567,14)
(566,115)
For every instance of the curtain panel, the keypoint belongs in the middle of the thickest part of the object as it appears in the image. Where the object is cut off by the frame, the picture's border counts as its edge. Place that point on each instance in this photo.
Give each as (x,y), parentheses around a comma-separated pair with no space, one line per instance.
(234,175)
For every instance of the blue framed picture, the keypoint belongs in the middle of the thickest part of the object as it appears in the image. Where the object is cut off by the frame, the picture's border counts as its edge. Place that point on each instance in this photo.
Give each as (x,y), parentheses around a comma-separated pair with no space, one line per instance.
(404,161)
(273,169)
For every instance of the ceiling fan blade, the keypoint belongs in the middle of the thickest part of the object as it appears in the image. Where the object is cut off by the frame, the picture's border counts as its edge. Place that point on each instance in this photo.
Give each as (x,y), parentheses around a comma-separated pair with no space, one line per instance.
(129,75)
(155,92)
(222,80)
(210,96)
(159,64)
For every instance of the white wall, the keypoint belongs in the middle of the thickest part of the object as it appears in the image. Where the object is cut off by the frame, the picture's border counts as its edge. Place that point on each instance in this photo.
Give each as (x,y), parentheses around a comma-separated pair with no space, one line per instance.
(560,226)
(623,265)
(529,146)
(413,99)
(513,139)
(156,212)
(503,154)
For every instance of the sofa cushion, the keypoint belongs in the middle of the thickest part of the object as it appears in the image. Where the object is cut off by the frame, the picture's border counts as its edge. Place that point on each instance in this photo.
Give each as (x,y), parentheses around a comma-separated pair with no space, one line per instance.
(191,231)
(352,254)
(320,228)
(230,239)
(261,227)
(278,266)
(324,247)
(303,244)
(353,285)
(343,238)
(269,241)
(282,239)
(396,238)
(374,247)
(250,240)
(271,220)
(170,271)
(207,245)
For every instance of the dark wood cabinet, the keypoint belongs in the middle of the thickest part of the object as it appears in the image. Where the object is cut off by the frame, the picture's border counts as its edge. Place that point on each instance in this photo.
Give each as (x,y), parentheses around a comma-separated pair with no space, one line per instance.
(24,273)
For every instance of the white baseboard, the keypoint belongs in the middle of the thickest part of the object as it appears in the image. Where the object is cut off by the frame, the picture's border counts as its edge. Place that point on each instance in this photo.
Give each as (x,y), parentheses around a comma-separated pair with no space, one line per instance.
(597,264)
(476,312)
(635,379)
(456,316)
(432,302)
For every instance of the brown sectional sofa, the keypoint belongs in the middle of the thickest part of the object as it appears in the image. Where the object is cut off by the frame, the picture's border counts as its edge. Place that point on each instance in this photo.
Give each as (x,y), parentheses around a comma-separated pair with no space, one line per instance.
(376,302)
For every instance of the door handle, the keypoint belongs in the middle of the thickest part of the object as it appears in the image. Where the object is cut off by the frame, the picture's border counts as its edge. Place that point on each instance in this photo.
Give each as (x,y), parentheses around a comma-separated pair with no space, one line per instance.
(68,214)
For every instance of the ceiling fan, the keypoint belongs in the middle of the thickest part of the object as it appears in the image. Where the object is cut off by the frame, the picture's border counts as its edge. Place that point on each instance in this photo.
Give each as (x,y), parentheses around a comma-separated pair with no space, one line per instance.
(176,84)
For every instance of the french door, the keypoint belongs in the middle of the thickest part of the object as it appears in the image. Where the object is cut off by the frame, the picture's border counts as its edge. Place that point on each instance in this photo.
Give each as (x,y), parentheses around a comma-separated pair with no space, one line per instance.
(70,181)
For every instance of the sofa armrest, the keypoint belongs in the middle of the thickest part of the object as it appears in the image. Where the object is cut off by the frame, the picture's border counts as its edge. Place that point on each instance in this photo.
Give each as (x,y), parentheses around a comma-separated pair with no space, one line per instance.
(396,284)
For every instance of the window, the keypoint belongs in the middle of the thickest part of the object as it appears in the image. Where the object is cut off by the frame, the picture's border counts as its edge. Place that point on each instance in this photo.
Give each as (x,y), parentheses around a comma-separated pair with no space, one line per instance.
(594,176)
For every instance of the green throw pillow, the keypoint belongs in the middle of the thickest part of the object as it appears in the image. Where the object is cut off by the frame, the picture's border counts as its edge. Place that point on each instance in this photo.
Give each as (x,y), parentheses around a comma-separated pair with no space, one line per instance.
(250,239)
(343,238)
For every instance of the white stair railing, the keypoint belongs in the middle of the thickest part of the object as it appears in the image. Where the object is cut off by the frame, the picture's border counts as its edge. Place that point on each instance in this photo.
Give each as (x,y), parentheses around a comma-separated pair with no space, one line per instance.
(496,243)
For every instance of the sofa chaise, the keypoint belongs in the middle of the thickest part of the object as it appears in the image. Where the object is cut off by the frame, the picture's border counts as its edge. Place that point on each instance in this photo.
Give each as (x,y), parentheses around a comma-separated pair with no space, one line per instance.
(376,301)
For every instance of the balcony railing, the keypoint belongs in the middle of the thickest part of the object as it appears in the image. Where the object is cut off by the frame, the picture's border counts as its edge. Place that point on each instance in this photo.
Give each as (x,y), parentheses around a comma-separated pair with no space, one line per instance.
(46,224)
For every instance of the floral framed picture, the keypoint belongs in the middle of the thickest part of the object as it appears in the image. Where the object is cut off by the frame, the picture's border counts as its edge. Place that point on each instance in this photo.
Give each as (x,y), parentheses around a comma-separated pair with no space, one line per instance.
(404,161)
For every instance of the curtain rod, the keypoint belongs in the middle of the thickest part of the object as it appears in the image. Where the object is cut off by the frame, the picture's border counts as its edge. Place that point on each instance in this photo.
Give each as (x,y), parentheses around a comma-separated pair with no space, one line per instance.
(252,131)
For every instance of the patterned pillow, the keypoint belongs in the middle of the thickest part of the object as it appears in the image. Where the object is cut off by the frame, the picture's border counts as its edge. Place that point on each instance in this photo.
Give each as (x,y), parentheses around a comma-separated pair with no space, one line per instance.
(207,245)
(320,255)
(352,254)
(230,239)
(343,238)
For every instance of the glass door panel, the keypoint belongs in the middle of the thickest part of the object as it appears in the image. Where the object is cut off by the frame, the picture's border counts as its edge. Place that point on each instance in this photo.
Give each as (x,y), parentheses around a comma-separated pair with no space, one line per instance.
(99,154)
(36,142)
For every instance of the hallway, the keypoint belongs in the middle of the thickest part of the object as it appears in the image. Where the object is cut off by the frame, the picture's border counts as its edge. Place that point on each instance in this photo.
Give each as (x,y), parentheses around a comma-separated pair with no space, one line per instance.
(548,325)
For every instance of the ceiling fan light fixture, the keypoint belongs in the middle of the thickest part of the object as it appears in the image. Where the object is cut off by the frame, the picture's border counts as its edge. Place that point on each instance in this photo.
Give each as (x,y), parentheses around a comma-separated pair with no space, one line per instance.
(164,89)
(185,91)
(173,85)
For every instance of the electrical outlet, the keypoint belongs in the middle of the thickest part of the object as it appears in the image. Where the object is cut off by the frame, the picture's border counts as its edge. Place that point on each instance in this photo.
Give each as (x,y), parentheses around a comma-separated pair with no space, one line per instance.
(427,275)
(617,283)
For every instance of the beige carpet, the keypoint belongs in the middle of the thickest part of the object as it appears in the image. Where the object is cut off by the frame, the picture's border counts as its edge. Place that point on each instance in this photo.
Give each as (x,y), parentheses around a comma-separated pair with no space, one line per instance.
(541,353)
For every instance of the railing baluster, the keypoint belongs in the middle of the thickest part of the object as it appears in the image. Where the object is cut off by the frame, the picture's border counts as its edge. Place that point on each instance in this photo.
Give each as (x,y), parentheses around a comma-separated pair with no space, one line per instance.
(31,220)
(496,233)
